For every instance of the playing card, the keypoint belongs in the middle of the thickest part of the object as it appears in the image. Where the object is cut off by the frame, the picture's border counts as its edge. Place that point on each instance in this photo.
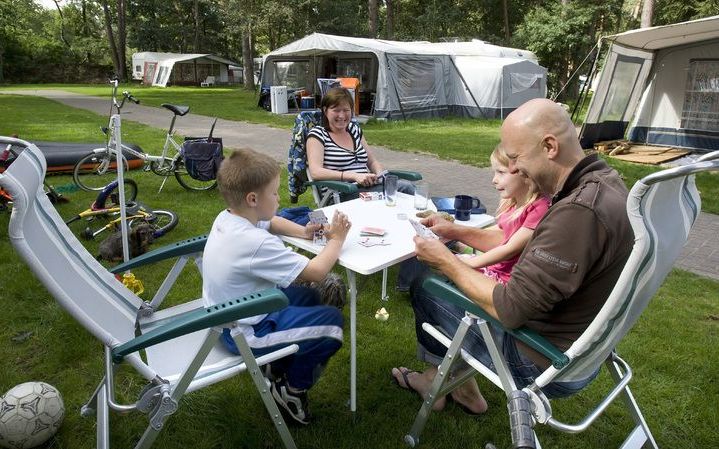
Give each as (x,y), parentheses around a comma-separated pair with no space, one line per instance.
(422,230)
(373,241)
(370,230)
(318,217)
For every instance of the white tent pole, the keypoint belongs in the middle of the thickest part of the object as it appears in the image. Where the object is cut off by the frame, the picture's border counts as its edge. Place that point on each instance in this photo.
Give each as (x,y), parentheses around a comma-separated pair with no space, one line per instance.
(501,95)
(117,141)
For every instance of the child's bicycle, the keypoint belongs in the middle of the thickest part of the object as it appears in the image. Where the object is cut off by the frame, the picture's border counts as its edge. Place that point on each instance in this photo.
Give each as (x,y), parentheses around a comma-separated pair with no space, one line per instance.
(98,169)
(107,205)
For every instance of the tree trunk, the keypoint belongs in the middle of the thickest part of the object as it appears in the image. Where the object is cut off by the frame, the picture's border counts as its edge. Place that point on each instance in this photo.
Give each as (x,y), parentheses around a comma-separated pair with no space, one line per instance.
(110,36)
(196,13)
(389,19)
(121,39)
(647,13)
(247,58)
(507,34)
(373,16)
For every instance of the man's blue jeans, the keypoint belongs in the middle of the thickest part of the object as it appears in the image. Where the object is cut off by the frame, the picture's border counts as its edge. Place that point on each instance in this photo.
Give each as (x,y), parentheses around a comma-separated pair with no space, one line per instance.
(446,316)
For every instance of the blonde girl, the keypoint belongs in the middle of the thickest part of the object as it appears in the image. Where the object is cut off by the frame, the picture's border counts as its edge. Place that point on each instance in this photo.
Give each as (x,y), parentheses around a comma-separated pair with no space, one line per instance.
(520,210)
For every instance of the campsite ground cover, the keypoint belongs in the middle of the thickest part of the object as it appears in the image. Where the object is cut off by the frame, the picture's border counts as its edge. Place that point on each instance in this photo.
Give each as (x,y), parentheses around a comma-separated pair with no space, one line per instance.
(465,140)
(672,349)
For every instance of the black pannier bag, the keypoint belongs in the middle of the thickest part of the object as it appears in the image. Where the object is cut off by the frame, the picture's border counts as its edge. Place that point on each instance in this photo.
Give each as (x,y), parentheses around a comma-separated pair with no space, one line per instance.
(202,157)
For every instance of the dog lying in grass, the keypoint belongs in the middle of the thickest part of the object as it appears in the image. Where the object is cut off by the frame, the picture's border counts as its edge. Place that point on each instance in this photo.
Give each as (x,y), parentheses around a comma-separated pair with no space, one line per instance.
(139,241)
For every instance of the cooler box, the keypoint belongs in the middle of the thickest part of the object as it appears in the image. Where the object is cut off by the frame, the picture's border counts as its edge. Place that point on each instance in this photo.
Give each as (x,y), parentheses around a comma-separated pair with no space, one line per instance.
(352,85)
(278,99)
(307,103)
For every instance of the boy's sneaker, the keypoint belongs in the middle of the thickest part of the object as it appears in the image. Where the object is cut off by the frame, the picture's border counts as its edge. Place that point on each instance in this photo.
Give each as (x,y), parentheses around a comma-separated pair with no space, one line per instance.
(292,404)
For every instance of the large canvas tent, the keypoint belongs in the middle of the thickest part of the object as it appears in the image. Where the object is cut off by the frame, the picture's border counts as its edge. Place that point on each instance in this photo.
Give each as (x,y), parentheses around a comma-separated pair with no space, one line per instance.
(413,79)
(159,69)
(659,86)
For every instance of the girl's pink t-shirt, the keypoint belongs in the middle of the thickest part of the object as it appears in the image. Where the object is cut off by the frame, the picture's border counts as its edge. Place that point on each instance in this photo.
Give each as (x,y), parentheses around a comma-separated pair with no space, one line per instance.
(528,218)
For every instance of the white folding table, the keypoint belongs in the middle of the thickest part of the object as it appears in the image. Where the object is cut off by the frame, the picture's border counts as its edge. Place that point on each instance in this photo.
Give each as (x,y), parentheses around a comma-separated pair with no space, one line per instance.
(358,259)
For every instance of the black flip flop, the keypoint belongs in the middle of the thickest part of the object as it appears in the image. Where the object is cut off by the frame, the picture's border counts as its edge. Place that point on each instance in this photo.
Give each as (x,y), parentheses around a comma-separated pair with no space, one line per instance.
(405,372)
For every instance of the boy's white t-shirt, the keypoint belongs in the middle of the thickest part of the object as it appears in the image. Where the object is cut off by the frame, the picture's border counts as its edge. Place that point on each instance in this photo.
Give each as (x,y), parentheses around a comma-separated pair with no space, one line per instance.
(240,258)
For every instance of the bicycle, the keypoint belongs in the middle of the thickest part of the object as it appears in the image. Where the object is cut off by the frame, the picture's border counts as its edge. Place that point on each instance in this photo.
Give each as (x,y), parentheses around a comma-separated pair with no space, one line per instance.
(107,204)
(97,169)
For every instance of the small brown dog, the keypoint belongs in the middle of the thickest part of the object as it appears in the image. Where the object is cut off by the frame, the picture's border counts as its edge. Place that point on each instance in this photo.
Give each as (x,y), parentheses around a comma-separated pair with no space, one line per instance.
(139,241)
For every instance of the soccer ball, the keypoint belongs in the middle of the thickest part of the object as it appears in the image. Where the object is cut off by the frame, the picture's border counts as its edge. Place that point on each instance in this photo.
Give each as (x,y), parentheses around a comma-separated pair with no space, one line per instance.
(30,413)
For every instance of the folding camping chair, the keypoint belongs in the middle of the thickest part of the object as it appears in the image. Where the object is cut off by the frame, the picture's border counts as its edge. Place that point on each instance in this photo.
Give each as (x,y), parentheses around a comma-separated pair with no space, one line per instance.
(181,344)
(662,208)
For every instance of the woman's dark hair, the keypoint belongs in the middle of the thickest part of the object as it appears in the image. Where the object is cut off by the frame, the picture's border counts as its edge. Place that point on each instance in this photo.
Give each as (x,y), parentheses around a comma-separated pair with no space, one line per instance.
(332,98)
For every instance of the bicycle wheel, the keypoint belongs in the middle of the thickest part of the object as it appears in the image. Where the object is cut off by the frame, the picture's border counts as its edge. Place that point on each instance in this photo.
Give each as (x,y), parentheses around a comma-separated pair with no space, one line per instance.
(161,222)
(95,171)
(188,181)
(110,195)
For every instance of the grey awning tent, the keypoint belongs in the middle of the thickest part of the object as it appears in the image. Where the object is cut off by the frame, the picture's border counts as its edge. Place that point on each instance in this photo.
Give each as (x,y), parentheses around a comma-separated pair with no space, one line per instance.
(414,79)
(659,86)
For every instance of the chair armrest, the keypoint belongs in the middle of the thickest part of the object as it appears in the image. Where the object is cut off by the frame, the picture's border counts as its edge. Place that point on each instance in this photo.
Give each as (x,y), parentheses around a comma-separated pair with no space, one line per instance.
(250,305)
(339,186)
(445,289)
(406,174)
(177,249)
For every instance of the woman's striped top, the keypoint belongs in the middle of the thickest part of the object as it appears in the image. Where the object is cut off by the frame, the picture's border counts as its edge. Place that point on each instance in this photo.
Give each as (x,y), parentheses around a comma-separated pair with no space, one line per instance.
(340,158)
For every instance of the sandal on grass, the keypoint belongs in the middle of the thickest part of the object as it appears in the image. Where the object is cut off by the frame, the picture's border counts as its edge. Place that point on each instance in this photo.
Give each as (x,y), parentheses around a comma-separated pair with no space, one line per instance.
(405,373)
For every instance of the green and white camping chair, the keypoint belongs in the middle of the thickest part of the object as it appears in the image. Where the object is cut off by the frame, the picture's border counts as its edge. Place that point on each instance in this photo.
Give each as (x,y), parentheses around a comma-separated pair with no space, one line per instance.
(662,208)
(181,345)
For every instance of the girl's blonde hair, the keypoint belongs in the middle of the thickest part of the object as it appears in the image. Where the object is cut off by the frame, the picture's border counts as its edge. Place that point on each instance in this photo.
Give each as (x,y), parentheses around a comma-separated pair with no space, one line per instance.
(499,157)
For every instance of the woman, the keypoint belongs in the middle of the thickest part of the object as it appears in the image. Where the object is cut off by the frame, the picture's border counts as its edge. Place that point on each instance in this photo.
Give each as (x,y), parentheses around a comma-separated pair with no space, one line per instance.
(337,150)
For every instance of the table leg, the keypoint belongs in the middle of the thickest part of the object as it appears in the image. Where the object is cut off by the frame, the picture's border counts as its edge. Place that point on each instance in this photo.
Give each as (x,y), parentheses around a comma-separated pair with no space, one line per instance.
(353,339)
(384,285)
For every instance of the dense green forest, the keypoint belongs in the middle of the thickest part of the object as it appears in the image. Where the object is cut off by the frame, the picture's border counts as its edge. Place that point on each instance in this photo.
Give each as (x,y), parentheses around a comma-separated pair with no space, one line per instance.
(84,40)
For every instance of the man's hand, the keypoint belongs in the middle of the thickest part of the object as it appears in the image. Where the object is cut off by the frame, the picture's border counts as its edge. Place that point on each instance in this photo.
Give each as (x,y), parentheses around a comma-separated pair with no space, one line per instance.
(340,226)
(439,225)
(432,252)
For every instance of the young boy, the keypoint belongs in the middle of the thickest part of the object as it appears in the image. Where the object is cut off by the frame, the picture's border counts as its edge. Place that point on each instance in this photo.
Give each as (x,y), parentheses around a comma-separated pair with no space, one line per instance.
(243,254)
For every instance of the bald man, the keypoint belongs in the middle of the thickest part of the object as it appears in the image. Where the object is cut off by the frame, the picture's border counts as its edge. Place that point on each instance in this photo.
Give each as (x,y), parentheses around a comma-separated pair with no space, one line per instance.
(563,276)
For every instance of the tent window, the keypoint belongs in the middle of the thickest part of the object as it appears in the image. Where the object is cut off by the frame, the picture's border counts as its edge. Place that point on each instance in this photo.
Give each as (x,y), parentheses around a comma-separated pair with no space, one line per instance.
(419,81)
(701,98)
(294,74)
(626,73)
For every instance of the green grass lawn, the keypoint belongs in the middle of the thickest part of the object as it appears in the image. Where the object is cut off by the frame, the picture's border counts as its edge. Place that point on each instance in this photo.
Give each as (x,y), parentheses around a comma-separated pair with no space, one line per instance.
(672,349)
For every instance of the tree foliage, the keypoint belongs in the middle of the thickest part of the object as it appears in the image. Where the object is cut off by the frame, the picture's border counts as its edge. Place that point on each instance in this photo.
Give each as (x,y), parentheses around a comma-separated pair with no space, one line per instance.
(76,46)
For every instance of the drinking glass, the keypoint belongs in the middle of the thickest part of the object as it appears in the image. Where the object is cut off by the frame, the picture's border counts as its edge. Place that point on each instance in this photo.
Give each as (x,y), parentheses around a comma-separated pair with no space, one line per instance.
(421,195)
(390,190)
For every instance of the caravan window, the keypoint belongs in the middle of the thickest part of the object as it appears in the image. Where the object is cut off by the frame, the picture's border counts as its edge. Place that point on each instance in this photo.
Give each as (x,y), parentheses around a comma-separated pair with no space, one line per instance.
(701,97)
(295,74)
(626,73)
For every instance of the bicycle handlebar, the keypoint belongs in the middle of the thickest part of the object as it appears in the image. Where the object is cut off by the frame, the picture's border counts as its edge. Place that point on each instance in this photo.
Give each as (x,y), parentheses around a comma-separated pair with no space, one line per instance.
(129,96)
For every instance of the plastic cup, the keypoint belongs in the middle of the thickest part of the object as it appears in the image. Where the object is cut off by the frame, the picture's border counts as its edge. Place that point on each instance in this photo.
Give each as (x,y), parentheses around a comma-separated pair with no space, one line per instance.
(390,190)
(421,195)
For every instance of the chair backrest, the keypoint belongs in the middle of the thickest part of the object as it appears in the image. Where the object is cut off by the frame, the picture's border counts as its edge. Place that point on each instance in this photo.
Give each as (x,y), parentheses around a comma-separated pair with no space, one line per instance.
(662,209)
(210,79)
(83,287)
(297,156)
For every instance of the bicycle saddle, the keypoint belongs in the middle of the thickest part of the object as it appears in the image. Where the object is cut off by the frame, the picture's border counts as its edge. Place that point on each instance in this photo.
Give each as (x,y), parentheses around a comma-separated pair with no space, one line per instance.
(177,109)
